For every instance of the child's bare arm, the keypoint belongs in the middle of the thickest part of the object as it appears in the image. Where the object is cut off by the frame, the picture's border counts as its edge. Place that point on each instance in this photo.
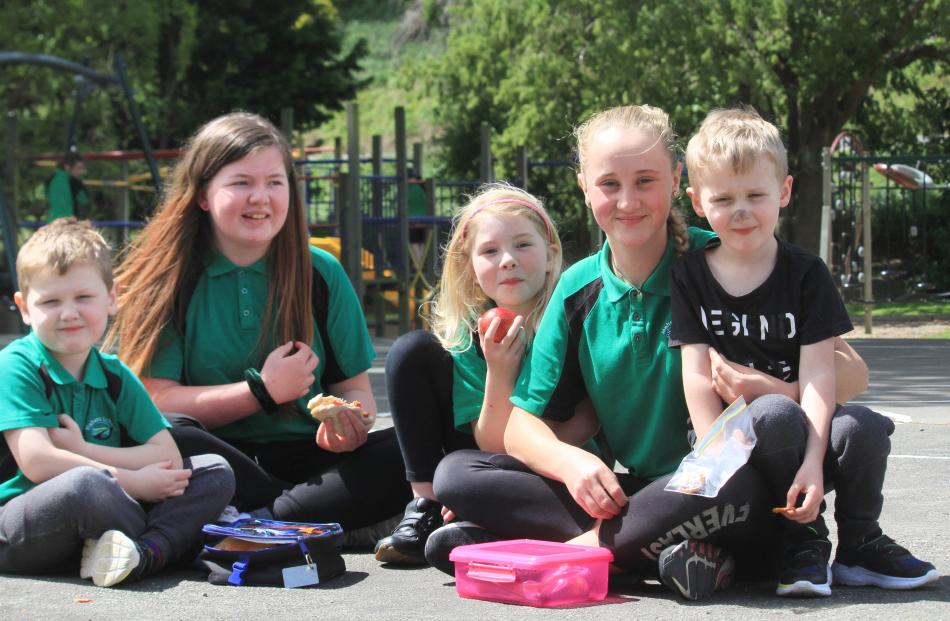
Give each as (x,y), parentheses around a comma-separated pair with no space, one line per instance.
(579,428)
(817,380)
(590,482)
(703,402)
(731,379)
(503,359)
(851,372)
(40,460)
(159,448)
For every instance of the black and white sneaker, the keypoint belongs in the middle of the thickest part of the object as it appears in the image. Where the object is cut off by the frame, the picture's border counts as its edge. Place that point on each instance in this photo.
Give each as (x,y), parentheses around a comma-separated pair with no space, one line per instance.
(696,569)
(882,563)
(454,534)
(805,572)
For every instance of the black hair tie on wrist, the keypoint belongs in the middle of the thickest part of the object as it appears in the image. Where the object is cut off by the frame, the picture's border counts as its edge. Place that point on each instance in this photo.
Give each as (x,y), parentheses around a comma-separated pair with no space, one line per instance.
(256,383)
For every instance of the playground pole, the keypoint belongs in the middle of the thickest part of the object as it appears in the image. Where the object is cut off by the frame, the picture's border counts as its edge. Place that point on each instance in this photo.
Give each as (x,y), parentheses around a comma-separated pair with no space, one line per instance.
(287,124)
(433,260)
(485,169)
(10,139)
(417,159)
(379,308)
(402,197)
(824,240)
(338,182)
(351,220)
(868,269)
(521,154)
(125,199)
(137,120)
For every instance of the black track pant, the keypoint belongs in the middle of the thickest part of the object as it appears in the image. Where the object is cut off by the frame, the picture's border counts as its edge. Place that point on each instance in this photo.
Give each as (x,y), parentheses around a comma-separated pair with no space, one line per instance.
(299,481)
(503,495)
(419,383)
(854,466)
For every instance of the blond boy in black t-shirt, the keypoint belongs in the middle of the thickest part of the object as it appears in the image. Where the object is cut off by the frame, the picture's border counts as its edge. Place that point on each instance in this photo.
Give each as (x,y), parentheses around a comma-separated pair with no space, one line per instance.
(763,303)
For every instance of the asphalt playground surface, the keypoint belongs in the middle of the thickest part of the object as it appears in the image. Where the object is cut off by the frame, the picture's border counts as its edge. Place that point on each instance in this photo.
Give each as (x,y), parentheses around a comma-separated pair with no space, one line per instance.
(910,381)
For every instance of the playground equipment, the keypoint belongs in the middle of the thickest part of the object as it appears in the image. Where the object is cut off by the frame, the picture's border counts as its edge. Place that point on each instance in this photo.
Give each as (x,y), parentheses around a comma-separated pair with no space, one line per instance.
(86,76)
(903,258)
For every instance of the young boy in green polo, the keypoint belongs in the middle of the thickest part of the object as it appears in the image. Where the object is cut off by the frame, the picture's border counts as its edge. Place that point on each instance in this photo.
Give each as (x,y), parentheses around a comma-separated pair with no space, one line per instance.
(86,460)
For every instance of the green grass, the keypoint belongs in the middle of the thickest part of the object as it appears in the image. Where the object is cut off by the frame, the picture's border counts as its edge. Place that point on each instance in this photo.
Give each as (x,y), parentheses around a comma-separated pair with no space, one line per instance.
(905,309)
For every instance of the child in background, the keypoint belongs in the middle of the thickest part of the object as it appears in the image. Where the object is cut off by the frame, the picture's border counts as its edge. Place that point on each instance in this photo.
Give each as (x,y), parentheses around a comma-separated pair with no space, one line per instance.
(85,455)
(763,303)
(65,190)
(449,389)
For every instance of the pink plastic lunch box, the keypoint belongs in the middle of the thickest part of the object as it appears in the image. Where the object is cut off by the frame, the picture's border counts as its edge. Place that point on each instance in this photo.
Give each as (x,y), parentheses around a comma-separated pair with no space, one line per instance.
(530,572)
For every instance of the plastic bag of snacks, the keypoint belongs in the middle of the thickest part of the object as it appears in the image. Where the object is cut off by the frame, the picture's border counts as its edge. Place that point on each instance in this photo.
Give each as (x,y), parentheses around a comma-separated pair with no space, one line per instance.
(716,457)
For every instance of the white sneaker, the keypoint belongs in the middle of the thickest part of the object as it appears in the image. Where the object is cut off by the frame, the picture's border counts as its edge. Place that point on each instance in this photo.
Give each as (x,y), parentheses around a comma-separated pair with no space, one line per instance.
(109,559)
(230,515)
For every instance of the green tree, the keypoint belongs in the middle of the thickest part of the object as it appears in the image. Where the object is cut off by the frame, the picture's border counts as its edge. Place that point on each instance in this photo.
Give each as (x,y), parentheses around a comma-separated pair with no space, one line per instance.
(246,58)
(188,61)
(533,69)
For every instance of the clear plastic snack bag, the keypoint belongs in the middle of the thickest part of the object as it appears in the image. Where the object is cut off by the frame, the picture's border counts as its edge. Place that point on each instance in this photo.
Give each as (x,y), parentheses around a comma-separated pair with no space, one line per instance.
(716,457)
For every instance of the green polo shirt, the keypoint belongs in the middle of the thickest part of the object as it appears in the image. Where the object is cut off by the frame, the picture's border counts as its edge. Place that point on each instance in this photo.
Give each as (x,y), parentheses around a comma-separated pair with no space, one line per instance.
(468,385)
(220,337)
(604,338)
(24,401)
(64,194)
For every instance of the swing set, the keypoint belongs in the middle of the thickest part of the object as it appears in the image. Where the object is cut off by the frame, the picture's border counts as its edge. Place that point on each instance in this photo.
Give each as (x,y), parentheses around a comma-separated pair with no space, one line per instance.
(886,217)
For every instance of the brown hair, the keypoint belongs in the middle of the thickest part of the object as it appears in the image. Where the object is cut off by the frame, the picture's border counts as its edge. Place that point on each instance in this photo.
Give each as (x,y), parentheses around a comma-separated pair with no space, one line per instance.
(644,117)
(59,245)
(164,264)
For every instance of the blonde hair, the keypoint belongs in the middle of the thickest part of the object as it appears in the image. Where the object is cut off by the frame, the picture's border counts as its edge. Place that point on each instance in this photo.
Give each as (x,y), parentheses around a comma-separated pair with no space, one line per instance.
(59,245)
(164,264)
(737,137)
(460,300)
(645,118)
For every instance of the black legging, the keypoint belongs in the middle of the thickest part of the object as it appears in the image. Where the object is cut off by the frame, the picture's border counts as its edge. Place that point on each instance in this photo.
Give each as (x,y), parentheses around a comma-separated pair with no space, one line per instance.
(419,381)
(299,481)
(506,497)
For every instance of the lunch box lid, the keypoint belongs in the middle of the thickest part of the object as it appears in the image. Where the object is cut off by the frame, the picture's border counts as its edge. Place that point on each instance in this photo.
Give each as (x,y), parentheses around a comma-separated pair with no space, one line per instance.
(528,553)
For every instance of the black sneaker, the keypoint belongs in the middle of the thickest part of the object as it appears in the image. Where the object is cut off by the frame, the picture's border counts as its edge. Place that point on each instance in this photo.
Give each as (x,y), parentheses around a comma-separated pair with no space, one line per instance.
(406,545)
(882,563)
(695,569)
(805,572)
(454,534)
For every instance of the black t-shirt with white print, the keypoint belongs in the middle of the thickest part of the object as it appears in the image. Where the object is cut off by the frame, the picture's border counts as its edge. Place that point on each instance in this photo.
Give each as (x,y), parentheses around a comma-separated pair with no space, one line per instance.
(797,305)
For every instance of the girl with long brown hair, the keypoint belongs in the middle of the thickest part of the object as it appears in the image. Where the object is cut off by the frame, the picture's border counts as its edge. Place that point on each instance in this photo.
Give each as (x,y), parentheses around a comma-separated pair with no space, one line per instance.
(232,320)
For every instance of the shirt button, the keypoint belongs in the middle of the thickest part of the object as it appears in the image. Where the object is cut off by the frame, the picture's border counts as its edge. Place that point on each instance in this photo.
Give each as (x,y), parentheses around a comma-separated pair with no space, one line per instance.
(246,312)
(636,338)
(636,316)
(244,290)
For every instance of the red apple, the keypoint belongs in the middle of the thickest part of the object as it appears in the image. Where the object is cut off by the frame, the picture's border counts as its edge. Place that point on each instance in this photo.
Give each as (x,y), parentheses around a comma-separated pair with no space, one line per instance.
(506,316)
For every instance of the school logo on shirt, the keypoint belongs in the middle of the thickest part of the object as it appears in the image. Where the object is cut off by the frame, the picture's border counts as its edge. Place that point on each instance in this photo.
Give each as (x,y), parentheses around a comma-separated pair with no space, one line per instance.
(666,330)
(99,428)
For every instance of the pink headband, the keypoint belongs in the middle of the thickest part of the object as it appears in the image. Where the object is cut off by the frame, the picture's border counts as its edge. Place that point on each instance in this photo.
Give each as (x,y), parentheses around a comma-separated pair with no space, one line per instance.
(510,201)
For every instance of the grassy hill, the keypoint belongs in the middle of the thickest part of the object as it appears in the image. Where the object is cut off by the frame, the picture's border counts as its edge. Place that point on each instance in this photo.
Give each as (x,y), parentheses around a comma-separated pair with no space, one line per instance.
(402,37)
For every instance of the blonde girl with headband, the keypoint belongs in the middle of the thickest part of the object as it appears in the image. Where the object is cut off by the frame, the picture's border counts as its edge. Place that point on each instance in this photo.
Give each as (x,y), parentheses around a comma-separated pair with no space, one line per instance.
(604,337)
(449,388)
(233,320)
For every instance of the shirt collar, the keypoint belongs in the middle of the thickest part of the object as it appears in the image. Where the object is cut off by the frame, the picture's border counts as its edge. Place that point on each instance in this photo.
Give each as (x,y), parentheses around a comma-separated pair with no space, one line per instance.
(94,377)
(216,264)
(658,283)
